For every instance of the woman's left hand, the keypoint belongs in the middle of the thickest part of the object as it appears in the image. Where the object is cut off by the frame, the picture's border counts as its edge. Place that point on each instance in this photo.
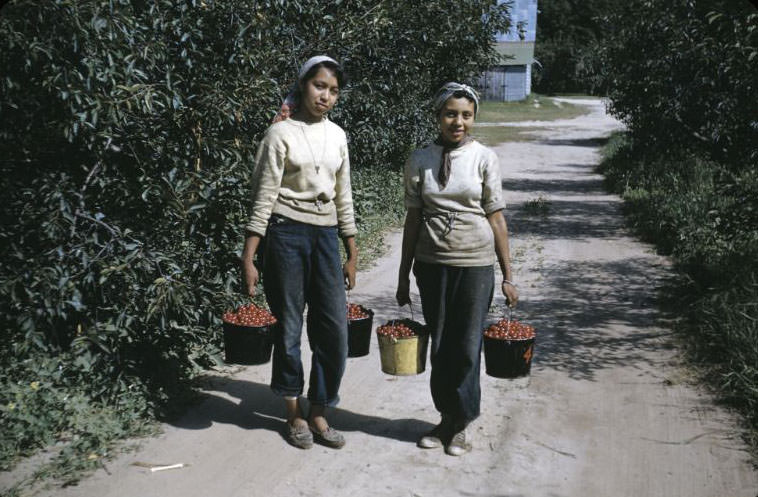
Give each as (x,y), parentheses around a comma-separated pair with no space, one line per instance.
(511,293)
(348,270)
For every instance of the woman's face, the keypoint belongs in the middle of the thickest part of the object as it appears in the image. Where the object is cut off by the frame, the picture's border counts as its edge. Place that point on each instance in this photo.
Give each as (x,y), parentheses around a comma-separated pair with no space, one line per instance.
(319,94)
(456,119)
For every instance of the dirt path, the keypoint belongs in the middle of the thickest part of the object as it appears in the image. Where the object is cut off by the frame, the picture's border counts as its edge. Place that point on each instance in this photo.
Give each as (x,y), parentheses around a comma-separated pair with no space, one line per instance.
(607,410)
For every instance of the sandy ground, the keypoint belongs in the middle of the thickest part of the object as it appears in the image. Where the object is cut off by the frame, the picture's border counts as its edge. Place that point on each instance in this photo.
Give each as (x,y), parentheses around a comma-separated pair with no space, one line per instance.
(607,410)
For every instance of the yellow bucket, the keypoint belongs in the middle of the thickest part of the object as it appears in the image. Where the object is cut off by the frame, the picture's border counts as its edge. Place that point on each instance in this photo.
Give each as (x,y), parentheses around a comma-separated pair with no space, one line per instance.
(403,356)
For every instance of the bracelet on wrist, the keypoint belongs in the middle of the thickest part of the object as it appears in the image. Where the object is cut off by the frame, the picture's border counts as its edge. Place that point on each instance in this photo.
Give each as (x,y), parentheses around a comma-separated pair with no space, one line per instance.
(509,282)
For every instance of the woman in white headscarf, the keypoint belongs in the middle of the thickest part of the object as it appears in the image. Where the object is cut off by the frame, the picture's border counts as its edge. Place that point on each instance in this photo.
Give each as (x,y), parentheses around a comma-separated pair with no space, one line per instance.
(302,204)
(454,232)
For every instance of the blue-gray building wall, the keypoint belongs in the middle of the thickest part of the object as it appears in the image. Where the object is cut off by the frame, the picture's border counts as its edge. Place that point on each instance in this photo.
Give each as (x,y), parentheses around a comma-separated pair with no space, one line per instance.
(511,82)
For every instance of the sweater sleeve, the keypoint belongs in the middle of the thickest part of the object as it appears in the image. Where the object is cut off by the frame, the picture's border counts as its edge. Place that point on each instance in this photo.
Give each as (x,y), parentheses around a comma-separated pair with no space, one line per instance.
(412,183)
(269,168)
(343,199)
(492,187)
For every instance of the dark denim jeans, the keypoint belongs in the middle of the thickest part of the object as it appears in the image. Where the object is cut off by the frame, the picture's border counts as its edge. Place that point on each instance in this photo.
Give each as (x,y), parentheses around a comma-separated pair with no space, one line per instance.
(455,301)
(302,265)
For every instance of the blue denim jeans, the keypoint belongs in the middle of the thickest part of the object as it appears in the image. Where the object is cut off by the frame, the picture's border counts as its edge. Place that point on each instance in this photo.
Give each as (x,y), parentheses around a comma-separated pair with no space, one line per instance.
(455,301)
(302,266)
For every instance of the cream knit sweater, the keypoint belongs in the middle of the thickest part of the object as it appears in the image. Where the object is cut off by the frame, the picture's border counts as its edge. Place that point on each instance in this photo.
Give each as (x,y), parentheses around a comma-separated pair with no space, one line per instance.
(455,230)
(302,171)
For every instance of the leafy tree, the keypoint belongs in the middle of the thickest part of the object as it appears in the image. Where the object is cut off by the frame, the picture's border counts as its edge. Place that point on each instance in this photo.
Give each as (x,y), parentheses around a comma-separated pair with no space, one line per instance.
(682,75)
(567,34)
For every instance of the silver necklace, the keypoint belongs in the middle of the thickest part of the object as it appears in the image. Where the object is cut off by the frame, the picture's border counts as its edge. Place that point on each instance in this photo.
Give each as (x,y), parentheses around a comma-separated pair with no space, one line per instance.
(323,147)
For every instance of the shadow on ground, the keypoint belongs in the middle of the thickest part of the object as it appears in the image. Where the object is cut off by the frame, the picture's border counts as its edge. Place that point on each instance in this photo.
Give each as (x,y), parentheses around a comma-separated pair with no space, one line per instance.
(260,409)
(594,315)
(589,315)
(566,219)
(595,142)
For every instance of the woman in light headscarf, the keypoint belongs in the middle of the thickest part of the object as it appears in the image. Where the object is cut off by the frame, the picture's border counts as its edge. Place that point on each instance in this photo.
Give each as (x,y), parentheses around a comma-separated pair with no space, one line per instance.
(302,202)
(454,232)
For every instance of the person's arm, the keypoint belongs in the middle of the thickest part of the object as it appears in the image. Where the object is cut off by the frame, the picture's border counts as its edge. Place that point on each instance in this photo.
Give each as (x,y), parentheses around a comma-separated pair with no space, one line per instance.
(269,168)
(249,271)
(270,161)
(343,196)
(411,229)
(349,268)
(343,201)
(502,249)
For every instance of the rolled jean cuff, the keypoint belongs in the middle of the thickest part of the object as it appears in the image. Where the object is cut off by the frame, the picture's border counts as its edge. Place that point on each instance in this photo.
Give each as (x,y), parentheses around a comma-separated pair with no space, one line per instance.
(286,392)
(328,403)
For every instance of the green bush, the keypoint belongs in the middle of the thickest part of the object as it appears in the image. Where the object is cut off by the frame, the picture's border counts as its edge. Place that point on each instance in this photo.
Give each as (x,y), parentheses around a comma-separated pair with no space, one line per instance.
(681,74)
(568,32)
(127,139)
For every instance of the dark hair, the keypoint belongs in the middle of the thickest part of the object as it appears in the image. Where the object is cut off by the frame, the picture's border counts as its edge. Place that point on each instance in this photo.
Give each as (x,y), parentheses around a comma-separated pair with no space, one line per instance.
(339,73)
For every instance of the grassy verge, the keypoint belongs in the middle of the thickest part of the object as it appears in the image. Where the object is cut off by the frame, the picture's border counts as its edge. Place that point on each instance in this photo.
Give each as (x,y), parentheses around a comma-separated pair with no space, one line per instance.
(378,197)
(534,108)
(704,215)
(492,135)
(54,429)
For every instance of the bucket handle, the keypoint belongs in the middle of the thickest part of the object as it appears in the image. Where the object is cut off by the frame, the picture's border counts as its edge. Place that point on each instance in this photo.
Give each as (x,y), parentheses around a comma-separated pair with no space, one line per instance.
(510,318)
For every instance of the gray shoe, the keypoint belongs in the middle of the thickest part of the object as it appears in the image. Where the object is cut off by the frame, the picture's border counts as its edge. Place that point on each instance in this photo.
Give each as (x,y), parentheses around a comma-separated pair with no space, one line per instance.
(435,438)
(329,437)
(458,444)
(299,436)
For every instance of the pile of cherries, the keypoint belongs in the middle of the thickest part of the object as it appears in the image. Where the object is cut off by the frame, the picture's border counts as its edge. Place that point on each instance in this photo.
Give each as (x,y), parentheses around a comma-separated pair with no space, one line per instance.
(398,328)
(249,315)
(509,330)
(356,311)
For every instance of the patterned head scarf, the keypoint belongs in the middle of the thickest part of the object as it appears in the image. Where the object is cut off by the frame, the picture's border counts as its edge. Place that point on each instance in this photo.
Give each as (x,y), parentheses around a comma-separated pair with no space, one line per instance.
(290,102)
(444,94)
(449,89)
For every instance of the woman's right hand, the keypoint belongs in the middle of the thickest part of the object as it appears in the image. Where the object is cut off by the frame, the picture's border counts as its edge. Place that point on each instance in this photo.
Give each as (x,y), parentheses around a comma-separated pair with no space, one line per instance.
(511,293)
(403,294)
(250,273)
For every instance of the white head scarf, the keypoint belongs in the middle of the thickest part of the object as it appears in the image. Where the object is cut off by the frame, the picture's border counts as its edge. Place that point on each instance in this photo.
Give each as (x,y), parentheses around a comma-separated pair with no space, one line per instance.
(290,102)
(449,89)
(312,62)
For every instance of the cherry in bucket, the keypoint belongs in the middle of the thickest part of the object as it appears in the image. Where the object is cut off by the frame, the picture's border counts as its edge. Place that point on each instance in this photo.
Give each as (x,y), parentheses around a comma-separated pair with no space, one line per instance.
(249,315)
(355,312)
(509,330)
(396,329)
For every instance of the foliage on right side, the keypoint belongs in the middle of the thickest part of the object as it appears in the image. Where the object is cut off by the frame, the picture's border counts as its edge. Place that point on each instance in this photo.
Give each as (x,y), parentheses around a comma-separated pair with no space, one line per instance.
(682,75)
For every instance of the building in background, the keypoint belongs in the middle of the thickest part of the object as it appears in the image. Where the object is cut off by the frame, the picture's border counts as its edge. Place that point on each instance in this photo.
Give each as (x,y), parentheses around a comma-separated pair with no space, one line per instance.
(512,78)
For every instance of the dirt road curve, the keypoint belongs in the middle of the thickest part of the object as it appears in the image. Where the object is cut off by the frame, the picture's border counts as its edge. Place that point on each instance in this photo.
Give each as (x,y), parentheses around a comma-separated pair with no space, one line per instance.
(606,412)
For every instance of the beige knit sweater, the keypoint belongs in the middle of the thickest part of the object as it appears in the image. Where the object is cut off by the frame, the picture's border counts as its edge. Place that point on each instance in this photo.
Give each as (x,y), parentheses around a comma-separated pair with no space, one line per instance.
(455,230)
(302,171)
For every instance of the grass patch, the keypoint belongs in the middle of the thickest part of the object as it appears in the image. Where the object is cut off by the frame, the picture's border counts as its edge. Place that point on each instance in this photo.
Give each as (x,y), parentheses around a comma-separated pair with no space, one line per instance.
(539,206)
(494,135)
(533,108)
(378,198)
(57,430)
